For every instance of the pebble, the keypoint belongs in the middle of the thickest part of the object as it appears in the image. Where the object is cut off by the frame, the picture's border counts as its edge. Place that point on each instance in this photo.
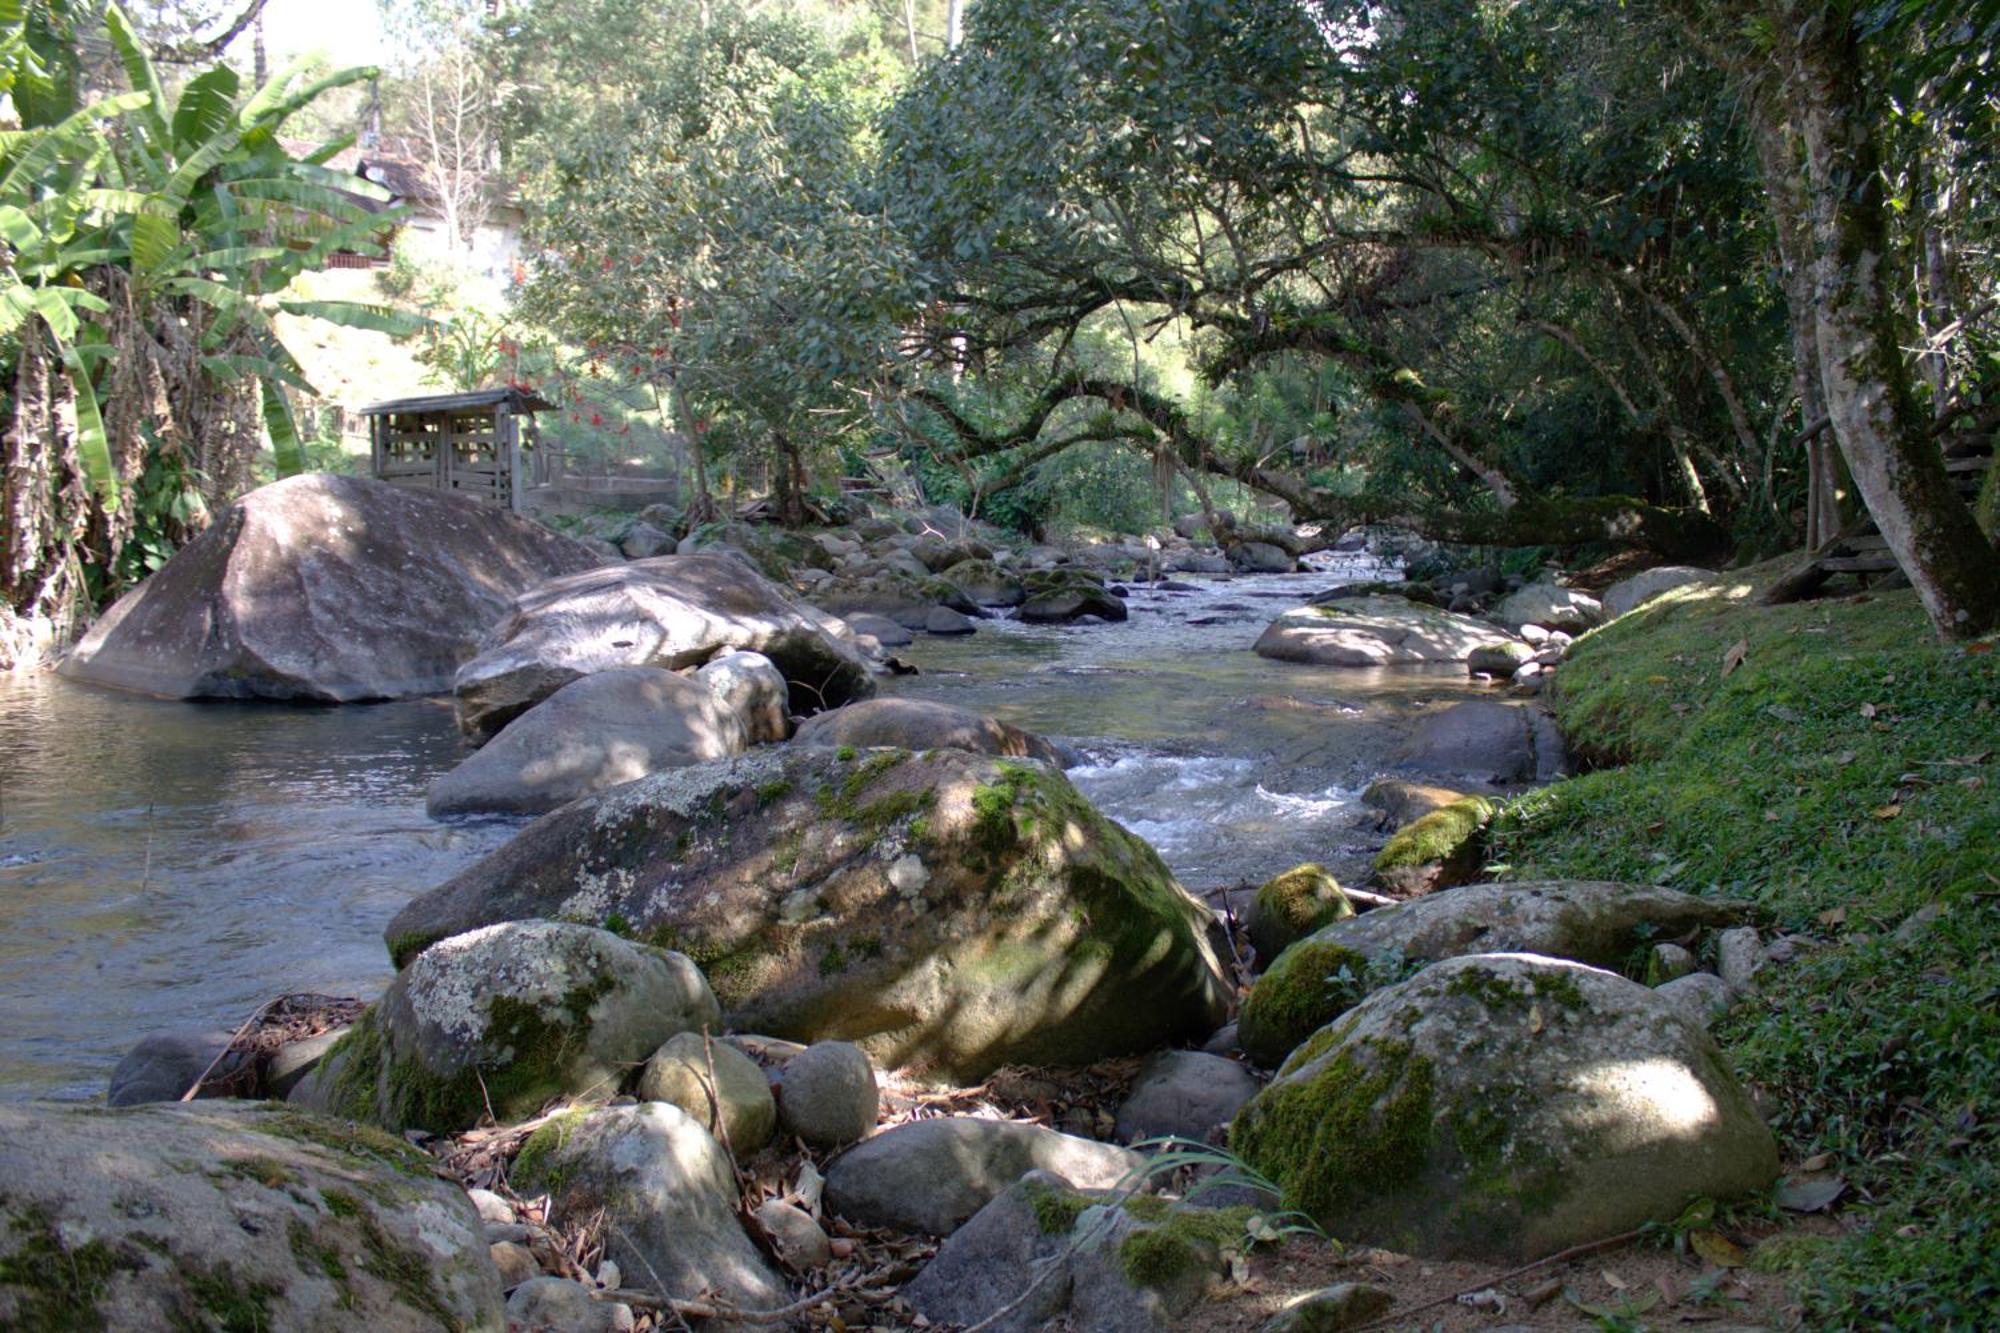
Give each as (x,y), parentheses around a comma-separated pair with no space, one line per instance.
(516,1262)
(800,1242)
(1738,955)
(492,1208)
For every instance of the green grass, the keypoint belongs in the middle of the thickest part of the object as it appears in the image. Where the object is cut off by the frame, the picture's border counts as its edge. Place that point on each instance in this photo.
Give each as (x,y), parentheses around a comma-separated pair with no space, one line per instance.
(1835,778)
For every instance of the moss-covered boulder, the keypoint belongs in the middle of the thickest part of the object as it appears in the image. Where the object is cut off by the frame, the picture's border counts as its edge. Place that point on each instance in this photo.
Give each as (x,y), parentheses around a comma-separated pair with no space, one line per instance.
(509,1016)
(778,554)
(1293,905)
(986,583)
(1502,1107)
(720,1086)
(946,910)
(1439,849)
(1592,921)
(1058,596)
(231,1215)
(1372,630)
(1501,658)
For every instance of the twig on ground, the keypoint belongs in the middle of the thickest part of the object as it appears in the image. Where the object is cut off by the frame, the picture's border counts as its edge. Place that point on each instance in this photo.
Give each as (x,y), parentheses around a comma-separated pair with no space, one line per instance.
(228,1046)
(1561,1256)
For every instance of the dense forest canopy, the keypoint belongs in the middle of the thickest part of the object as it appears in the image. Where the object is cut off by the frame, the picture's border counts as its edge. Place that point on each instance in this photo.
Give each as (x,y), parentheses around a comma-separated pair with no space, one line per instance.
(1690,276)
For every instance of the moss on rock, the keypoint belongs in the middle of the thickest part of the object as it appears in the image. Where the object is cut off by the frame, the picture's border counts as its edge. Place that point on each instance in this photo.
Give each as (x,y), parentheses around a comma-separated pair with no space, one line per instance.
(1293,905)
(1311,984)
(1441,837)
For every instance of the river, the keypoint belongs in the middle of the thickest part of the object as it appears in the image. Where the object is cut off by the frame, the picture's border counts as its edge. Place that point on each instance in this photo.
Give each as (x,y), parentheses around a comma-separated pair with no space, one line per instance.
(173,864)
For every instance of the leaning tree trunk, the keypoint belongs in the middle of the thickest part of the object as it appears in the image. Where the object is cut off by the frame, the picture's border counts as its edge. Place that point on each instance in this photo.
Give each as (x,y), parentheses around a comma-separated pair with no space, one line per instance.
(1896,467)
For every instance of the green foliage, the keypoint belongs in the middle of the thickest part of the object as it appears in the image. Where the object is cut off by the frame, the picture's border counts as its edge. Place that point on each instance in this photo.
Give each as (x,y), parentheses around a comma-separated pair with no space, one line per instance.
(1840,778)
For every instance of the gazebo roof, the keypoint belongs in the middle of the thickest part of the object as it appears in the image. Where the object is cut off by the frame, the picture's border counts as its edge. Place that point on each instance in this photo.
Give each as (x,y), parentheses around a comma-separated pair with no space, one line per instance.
(516,400)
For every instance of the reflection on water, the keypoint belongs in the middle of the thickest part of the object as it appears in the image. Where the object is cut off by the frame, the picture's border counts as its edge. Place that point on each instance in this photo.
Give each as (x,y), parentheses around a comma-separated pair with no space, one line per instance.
(167,864)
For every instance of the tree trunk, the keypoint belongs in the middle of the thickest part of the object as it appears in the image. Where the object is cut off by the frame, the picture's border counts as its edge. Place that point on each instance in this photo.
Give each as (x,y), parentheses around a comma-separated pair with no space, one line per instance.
(1896,467)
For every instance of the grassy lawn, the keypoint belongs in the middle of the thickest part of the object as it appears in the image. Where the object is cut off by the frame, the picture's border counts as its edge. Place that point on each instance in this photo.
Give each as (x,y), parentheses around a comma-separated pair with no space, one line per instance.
(1845,776)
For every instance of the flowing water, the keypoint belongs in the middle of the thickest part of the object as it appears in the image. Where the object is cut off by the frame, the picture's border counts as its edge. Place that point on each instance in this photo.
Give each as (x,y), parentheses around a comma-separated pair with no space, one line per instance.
(170,864)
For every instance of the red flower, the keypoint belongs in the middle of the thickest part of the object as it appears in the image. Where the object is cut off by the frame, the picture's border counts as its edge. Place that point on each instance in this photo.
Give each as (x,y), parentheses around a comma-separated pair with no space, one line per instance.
(596,420)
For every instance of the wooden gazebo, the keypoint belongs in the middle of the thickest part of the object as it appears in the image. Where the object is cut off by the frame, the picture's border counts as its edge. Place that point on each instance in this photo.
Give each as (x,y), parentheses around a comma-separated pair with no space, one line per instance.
(470,443)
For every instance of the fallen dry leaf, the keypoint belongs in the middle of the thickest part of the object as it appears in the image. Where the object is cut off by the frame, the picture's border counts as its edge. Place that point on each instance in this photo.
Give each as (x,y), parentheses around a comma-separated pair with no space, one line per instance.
(1834,917)
(1889,811)
(1819,1161)
(1868,710)
(1733,656)
(1615,1282)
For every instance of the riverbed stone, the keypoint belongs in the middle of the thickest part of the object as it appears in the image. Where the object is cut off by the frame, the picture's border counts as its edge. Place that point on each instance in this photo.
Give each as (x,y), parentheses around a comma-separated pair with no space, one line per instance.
(1550,606)
(1371,630)
(559,1305)
(1402,801)
(921,724)
(829,1097)
(673,611)
(929,1176)
(1332,1309)
(1261,558)
(1592,921)
(1503,1107)
(751,686)
(1294,904)
(1502,658)
(1485,740)
(509,1016)
(231,1215)
(801,1243)
(595,732)
(947,911)
(986,583)
(1628,595)
(1185,1094)
(669,1191)
(947,623)
(886,632)
(896,594)
(165,1064)
(718,1085)
(327,589)
(1059,596)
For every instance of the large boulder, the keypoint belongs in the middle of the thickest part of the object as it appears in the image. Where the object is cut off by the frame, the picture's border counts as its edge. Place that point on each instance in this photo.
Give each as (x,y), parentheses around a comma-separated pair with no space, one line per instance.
(751,685)
(667,1190)
(1059,596)
(1262,558)
(1630,594)
(231,1215)
(1374,629)
(1503,1107)
(1550,606)
(894,594)
(929,1176)
(324,588)
(945,910)
(509,1016)
(1589,921)
(595,732)
(919,724)
(675,611)
(986,583)
(1485,740)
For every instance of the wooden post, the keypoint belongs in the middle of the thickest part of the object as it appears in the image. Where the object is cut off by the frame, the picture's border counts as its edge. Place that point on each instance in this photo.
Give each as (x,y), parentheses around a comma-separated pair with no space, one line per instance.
(507,450)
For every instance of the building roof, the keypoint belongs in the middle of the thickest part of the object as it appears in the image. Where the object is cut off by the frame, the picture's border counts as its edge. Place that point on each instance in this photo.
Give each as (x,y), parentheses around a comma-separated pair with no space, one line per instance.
(516,400)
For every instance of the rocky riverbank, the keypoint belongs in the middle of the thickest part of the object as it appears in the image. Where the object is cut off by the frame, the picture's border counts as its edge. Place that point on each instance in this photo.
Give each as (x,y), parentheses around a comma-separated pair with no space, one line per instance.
(883,1024)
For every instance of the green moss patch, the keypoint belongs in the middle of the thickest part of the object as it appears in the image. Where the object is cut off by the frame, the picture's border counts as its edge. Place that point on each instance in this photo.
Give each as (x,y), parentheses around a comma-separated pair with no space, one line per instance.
(1311,984)
(1842,777)
(1442,837)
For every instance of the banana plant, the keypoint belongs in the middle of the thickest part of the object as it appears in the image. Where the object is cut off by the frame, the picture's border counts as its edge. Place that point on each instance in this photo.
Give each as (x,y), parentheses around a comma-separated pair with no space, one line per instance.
(219,214)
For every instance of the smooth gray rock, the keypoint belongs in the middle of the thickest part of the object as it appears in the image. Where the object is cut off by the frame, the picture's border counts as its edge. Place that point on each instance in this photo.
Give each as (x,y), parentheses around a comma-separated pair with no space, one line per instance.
(1550,606)
(1629,595)
(511,1015)
(1593,1106)
(295,1059)
(946,622)
(1665,962)
(1331,1309)
(854,896)
(929,1176)
(1483,740)
(990,1261)
(1739,954)
(921,724)
(672,611)
(595,732)
(883,630)
(642,541)
(1372,630)
(1261,558)
(1185,1094)
(558,1305)
(668,1189)
(324,588)
(751,686)
(1702,997)
(165,1064)
(829,1096)
(986,583)
(166,1217)
(722,1088)
(1059,596)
